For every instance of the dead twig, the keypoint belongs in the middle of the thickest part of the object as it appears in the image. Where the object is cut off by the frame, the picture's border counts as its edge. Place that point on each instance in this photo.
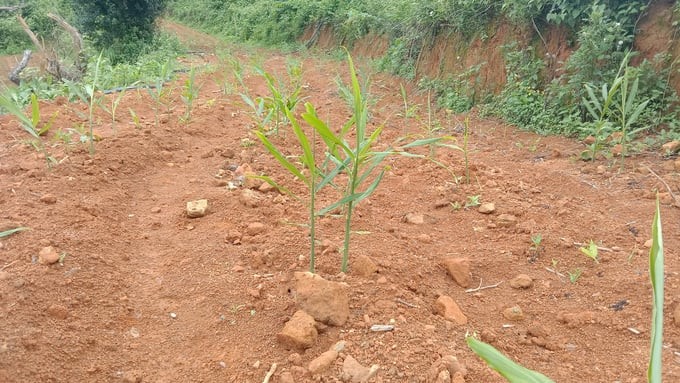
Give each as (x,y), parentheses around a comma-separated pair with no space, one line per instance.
(664,183)
(483,287)
(599,247)
(403,302)
(8,265)
(270,373)
(556,272)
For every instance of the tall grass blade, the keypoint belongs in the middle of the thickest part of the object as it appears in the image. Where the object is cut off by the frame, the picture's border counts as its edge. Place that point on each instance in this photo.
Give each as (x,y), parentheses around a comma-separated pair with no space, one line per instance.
(511,371)
(656,274)
(9,232)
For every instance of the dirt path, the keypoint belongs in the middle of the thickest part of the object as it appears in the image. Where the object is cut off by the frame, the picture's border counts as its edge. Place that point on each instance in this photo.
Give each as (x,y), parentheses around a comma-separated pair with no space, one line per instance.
(146,294)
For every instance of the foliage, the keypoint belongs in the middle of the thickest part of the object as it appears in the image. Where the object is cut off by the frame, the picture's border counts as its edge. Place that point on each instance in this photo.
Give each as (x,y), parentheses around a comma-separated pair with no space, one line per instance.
(12,37)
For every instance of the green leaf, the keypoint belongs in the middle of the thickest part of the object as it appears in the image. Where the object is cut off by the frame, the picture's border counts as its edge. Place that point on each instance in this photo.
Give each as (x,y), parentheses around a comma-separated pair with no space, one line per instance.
(280,157)
(636,113)
(354,198)
(656,274)
(307,152)
(14,109)
(9,232)
(35,111)
(511,371)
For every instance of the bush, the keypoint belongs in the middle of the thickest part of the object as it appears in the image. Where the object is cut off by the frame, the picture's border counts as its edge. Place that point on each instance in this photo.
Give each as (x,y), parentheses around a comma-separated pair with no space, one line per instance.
(121,29)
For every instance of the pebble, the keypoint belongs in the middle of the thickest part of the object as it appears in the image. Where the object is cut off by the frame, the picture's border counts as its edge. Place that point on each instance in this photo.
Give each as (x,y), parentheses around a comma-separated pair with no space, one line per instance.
(414,219)
(286,377)
(265,187)
(506,220)
(424,238)
(324,300)
(299,333)
(173,315)
(233,237)
(156,210)
(48,255)
(458,269)
(521,281)
(671,147)
(364,266)
(487,208)
(197,209)
(48,199)
(250,198)
(295,359)
(513,313)
(255,228)
(354,372)
(57,311)
(134,332)
(449,309)
(576,319)
(322,362)
(676,315)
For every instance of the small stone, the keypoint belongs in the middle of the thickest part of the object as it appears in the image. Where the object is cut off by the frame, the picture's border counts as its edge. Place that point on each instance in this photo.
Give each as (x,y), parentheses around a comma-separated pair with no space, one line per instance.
(676,315)
(458,378)
(48,199)
(299,333)
(197,209)
(537,330)
(382,280)
(48,255)
(443,377)
(265,187)
(506,220)
(364,266)
(354,372)
(487,208)
(233,237)
(255,228)
(522,281)
(671,147)
(648,243)
(132,377)
(448,308)
(238,269)
(57,311)
(257,364)
(295,359)
(414,219)
(424,238)
(156,210)
(458,269)
(513,314)
(326,301)
(576,319)
(286,377)
(322,362)
(250,198)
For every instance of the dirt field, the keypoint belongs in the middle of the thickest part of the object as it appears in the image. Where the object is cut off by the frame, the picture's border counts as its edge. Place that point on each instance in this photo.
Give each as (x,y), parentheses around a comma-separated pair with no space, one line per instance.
(142,293)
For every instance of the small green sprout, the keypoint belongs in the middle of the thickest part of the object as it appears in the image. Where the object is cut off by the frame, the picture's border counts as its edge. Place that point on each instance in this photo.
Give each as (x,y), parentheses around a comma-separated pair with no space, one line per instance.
(591,251)
(575,275)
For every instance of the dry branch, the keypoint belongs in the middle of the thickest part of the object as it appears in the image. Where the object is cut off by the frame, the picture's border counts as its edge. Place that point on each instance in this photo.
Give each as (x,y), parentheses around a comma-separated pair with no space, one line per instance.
(15,74)
(12,8)
(31,35)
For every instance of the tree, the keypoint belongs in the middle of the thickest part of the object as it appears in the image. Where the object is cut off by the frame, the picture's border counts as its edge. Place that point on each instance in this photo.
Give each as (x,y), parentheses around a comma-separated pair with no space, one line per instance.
(123,28)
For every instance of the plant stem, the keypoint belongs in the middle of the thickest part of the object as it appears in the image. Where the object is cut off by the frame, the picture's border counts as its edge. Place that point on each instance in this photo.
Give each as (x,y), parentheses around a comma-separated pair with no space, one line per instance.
(312,222)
